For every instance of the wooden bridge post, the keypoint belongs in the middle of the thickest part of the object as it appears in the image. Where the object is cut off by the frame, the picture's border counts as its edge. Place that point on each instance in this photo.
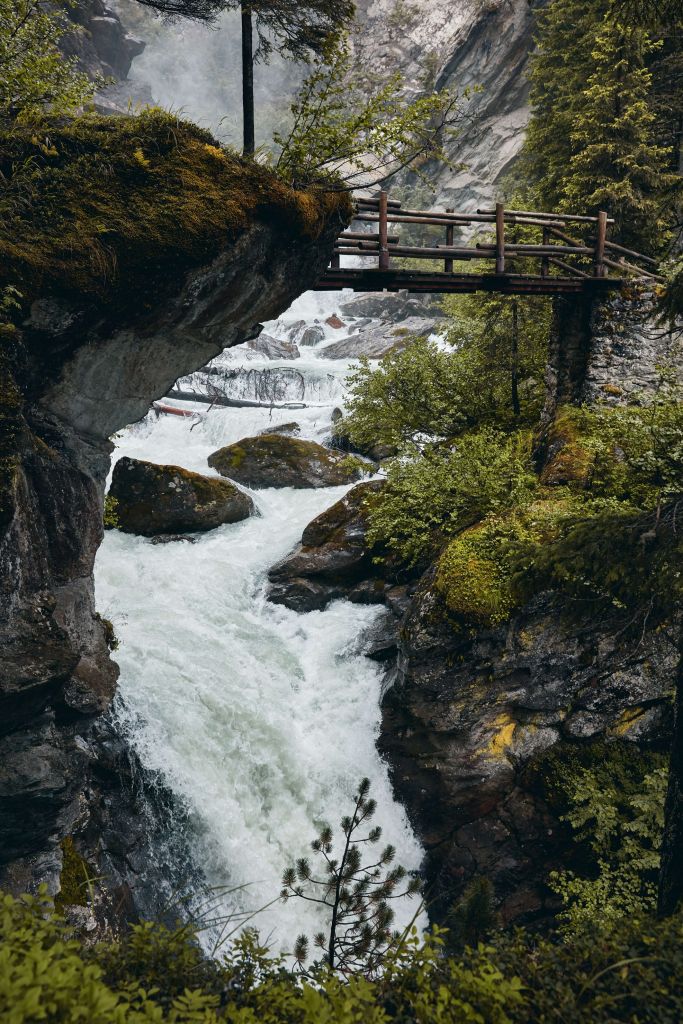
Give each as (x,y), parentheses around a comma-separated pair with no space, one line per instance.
(545,261)
(601,238)
(383,231)
(500,238)
(448,264)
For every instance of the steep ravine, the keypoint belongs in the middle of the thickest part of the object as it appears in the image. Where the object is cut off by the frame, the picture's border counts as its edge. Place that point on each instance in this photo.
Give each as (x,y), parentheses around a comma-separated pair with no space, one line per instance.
(76,373)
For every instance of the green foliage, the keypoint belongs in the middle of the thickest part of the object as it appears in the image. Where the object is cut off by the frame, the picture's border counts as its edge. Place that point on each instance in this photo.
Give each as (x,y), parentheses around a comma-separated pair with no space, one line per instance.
(630,972)
(596,138)
(616,809)
(357,894)
(34,73)
(441,491)
(502,340)
(110,516)
(347,126)
(473,918)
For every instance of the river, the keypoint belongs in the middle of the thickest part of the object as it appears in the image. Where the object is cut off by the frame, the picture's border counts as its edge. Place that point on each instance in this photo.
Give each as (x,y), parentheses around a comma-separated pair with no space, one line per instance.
(260,720)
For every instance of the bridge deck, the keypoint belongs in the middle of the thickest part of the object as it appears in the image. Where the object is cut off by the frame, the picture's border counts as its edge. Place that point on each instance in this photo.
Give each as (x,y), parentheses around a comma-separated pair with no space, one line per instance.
(373,280)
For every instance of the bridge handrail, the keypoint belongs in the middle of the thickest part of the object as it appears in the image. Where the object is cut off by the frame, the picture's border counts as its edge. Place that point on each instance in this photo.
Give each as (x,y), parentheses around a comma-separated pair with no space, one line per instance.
(383,211)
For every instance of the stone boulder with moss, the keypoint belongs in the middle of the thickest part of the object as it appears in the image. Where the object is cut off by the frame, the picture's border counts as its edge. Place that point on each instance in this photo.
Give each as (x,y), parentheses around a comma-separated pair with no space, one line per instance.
(275,460)
(153,500)
(334,558)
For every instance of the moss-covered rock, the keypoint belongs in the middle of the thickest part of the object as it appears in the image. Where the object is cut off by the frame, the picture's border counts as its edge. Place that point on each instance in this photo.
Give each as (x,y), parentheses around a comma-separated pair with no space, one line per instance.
(274,460)
(105,206)
(153,499)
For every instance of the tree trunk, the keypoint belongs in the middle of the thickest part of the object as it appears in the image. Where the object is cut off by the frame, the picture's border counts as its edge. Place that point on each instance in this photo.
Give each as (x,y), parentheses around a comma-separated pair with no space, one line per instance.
(514,367)
(248,81)
(671,872)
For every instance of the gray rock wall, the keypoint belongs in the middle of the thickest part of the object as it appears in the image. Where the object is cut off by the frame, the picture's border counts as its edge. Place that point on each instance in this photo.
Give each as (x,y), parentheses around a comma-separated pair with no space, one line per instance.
(84,373)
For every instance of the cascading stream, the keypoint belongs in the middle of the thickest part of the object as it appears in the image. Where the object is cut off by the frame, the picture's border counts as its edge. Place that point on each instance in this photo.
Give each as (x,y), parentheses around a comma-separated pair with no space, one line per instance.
(260,720)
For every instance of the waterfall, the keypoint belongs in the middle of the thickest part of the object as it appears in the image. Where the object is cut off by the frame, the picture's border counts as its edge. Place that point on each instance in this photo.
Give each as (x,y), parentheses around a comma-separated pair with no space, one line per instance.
(261,721)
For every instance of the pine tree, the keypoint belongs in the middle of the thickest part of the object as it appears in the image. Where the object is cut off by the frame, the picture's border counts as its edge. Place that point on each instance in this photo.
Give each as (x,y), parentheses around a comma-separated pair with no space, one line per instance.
(617,164)
(356,894)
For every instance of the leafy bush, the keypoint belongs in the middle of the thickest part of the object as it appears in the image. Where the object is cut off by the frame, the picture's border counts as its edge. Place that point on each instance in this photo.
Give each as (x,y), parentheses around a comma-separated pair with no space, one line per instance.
(443,490)
(616,810)
(629,973)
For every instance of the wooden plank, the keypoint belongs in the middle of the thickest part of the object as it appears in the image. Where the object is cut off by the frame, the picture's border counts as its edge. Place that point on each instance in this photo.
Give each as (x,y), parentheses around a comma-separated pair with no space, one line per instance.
(625,265)
(538,250)
(567,268)
(630,252)
(580,218)
(383,232)
(367,236)
(448,262)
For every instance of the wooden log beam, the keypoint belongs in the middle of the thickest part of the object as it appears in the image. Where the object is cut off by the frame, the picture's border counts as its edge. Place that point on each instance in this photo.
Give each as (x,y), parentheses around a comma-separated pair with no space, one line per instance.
(383,232)
(601,237)
(500,238)
(579,218)
(568,269)
(630,252)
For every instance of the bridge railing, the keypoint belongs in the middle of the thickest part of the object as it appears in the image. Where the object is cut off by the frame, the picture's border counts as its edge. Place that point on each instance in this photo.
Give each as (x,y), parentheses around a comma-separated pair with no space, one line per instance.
(589,258)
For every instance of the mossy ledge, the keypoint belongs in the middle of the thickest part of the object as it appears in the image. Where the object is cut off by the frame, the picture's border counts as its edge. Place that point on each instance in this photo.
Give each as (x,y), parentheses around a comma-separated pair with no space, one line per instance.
(111,207)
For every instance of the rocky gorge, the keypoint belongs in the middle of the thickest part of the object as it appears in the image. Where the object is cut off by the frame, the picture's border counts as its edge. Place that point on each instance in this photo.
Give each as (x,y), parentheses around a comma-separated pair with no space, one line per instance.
(294,608)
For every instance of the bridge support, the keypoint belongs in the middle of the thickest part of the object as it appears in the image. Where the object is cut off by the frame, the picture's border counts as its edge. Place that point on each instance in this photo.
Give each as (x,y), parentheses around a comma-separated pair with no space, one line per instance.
(569,350)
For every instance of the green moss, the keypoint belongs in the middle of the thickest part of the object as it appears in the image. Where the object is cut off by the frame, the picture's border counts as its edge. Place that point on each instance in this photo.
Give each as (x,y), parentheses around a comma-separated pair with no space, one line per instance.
(477,573)
(74,877)
(108,206)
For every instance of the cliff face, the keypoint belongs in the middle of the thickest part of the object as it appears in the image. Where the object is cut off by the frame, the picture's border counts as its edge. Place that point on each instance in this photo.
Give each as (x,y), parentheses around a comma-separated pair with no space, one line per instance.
(458,45)
(78,369)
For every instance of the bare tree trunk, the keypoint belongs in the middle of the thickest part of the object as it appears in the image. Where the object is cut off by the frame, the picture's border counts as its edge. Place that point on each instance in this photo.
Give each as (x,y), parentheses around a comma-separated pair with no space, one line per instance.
(248,80)
(671,872)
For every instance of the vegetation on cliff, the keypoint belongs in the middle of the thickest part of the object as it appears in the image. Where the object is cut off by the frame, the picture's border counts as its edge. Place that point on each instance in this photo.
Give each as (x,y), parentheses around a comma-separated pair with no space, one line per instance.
(111,208)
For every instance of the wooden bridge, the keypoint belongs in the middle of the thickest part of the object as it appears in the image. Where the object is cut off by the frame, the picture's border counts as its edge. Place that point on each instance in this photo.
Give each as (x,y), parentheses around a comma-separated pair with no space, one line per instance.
(568,263)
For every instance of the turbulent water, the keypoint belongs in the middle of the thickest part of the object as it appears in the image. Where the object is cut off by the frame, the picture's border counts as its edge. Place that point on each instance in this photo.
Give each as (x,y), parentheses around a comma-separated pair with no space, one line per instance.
(260,720)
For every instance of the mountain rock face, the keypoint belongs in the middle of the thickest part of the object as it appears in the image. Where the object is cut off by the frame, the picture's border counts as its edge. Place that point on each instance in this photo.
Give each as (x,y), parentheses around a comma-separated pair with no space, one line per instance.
(481,45)
(70,377)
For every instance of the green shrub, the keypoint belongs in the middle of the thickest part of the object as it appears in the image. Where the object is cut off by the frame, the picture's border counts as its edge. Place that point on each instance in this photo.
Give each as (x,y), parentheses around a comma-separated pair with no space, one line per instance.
(443,490)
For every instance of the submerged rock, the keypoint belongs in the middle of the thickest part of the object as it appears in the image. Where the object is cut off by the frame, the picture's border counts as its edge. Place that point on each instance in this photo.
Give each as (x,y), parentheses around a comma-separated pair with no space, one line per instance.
(333,560)
(153,500)
(274,460)
(293,429)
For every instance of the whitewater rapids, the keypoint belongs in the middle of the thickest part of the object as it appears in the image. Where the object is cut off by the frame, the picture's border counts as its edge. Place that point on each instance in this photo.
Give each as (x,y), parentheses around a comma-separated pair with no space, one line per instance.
(260,720)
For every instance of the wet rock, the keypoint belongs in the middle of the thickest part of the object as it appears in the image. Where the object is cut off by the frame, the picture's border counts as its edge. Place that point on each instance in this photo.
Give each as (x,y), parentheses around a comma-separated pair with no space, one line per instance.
(333,559)
(273,348)
(380,339)
(154,499)
(391,306)
(335,322)
(312,335)
(471,716)
(293,429)
(274,460)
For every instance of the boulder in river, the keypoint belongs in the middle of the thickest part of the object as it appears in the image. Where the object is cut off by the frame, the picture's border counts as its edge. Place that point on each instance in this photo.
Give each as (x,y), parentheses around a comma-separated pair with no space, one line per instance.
(394,306)
(292,428)
(380,339)
(333,559)
(273,348)
(275,460)
(153,500)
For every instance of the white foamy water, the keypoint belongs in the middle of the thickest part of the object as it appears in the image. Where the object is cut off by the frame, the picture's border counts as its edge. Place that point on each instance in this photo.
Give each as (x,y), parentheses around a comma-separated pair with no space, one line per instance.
(260,720)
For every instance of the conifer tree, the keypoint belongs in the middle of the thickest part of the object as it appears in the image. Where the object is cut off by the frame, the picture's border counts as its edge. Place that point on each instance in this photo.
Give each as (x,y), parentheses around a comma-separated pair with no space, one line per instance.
(356,894)
(617,164)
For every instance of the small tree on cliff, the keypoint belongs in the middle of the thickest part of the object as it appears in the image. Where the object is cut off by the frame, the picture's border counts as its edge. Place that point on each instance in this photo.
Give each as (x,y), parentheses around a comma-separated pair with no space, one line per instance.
(356,895)
(34,74)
